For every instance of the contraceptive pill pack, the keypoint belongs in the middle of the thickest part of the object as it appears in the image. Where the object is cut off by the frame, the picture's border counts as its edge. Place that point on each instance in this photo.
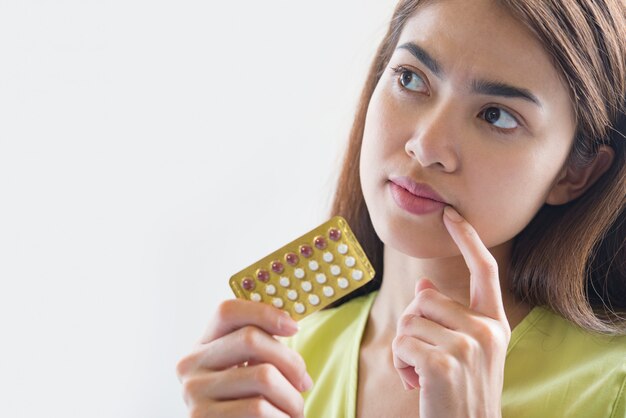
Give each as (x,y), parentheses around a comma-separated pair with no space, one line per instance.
(309,273)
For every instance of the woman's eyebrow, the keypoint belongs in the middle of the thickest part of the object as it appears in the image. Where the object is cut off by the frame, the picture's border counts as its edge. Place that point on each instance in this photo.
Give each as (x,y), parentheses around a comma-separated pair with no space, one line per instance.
(496,88)
(421,54)
(490,88)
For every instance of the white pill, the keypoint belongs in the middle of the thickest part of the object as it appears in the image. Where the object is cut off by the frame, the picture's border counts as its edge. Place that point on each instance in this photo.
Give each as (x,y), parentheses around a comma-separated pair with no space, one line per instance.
(328,257)
(284,281)
(277,302)
(342,248)
(342,282)
(320,278)
(270,289)
(314,299)
(313,265)
(328,291)
(335,270)
(357,274)
(292,295)
(298,307)
(299,273)
(350,261)
(255,297)
(307,286)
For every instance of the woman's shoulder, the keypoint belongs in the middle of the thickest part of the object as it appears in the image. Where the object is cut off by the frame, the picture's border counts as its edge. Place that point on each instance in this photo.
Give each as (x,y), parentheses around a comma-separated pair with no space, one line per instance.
(552,333)
(561,344)
(556,365)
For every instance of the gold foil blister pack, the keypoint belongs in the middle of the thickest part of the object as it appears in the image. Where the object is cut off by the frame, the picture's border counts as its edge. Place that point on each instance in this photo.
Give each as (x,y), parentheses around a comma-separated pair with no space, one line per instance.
(309,273)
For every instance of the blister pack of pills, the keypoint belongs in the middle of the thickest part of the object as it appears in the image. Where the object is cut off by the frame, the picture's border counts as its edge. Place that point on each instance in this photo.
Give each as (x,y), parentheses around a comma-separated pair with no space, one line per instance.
(309,273)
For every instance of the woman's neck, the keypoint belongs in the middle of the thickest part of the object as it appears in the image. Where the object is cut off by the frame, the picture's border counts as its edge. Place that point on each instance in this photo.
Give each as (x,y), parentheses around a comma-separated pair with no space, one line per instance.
(450,275)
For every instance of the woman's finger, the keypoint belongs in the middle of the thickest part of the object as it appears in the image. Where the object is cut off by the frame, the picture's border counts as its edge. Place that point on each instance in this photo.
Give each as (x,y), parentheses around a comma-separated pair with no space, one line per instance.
(485,293)
(233,314)
(253,345)
(237,408)
(430,303)
(247,382)
(426,330)
(409,354)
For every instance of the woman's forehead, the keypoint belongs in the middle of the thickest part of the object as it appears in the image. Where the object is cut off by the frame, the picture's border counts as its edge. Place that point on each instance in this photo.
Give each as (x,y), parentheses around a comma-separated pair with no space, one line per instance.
(477,40)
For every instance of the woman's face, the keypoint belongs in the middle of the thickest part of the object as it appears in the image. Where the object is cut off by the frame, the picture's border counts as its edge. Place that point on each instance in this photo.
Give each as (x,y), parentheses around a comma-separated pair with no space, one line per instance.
(444,117)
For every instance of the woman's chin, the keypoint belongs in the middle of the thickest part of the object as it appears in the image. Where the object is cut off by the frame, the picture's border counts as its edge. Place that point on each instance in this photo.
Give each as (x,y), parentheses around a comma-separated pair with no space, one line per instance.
(421,250)
(414,240)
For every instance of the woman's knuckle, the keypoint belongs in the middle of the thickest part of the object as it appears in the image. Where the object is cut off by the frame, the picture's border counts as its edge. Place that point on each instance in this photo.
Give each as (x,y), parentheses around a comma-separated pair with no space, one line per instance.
(249,338)
(197,411)
(405,323)
(257,407)
(265,374)
(422,298)
(398,341)
(184,366)
(504,337)
(491,336)
(504,329)
(427,294)
(441,364)
(466,347)
(224,310)
(490,340)
(193,386)
(507,333)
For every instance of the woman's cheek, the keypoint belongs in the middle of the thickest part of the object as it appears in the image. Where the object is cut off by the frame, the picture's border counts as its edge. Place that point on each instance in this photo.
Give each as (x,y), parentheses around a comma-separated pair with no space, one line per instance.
(511,210)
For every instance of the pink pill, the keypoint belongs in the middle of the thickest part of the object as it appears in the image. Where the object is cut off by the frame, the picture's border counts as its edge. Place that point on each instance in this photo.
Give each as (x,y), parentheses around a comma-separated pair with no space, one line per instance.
(291,259)
(248,283)
(306,251)
(334,234)
(263,275)
(277,267)
(320,242)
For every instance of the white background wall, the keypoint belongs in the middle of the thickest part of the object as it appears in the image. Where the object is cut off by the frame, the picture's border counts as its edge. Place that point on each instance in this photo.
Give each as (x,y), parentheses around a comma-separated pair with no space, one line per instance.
(148,151)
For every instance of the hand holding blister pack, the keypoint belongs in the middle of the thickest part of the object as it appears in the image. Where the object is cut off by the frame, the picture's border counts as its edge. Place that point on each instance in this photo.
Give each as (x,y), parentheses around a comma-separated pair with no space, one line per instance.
(240,363)
(309,273)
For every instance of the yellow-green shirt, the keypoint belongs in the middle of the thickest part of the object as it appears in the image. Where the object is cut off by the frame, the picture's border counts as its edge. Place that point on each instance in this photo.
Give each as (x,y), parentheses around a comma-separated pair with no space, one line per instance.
(553,368)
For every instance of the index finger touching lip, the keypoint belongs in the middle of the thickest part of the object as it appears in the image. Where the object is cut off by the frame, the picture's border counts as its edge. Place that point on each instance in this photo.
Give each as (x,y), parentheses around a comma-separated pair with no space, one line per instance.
(233,314)
(485,293)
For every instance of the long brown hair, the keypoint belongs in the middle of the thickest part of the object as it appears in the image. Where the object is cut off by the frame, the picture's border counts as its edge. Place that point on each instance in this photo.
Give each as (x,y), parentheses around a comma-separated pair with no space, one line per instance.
(572,257)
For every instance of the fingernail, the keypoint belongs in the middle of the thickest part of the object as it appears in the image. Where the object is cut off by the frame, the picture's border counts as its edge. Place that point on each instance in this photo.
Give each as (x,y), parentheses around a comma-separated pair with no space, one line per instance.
(307,383)
(452,214)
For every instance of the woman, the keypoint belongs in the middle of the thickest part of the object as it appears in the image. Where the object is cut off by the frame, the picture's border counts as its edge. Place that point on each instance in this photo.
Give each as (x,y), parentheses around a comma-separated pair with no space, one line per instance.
(505,114)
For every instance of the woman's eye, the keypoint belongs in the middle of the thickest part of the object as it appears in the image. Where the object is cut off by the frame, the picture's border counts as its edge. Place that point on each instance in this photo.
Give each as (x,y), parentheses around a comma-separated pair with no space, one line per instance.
(500,118)
(409,79)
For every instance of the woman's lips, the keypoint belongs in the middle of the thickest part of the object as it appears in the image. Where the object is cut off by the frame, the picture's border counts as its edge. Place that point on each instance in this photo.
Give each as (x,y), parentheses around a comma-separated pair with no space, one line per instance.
(416,205)
(417,189)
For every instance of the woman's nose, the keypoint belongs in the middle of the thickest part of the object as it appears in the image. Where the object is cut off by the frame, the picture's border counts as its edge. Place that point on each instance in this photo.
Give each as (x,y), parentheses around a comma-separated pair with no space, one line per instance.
(434,142)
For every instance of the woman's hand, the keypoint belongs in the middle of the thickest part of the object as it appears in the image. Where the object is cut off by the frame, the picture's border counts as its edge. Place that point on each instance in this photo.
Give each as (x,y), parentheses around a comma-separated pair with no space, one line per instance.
(452,353)
(238,369)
